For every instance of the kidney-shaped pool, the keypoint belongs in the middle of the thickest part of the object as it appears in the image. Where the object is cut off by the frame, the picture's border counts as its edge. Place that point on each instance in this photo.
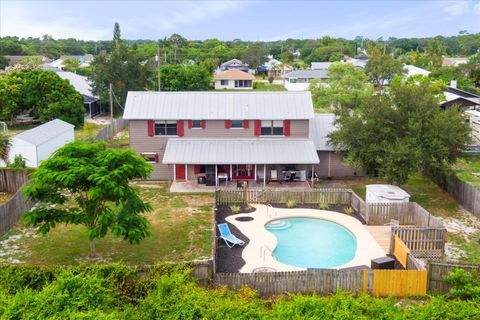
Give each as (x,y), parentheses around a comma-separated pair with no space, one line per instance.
(312,243)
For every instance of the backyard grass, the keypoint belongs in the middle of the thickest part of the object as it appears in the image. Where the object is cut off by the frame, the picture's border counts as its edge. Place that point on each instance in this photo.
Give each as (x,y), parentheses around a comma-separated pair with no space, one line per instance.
(19,128)
(181,231)
(467,169)
(263,86)
(88,132)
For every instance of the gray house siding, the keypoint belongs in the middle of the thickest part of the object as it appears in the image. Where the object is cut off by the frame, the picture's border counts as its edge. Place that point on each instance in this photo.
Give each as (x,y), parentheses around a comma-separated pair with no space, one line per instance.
(331,165)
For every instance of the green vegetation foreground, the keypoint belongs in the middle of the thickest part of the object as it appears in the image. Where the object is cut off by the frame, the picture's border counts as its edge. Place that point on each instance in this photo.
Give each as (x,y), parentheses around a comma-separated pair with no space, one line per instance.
(164,292)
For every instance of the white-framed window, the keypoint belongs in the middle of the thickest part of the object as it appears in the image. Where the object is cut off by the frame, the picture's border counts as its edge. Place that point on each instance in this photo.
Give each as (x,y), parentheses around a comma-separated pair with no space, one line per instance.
(151,157)
(166,128)
(237,123)
(196,124)
(224,82)
(272,128)
(243,83)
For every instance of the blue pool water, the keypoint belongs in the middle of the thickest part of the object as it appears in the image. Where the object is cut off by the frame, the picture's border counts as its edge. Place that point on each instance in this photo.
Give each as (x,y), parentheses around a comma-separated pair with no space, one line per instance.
(312,243)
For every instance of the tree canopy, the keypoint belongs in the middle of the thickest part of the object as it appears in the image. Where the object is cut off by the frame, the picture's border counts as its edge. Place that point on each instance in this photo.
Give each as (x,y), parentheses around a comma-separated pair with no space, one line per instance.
(185,78)
(89,184)
(401,131)
(382,68)
(42,93)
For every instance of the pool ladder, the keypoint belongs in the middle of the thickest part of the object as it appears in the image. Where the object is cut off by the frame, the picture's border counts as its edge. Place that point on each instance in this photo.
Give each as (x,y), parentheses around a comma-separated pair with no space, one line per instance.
(263,251)
(268,211)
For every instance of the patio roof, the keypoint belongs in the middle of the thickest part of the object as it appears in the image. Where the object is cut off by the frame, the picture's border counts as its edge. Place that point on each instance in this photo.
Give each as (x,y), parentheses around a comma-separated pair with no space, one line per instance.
(242,151)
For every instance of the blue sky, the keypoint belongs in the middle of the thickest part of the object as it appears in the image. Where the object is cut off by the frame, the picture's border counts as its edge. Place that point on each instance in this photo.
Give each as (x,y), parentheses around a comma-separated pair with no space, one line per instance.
(247,20)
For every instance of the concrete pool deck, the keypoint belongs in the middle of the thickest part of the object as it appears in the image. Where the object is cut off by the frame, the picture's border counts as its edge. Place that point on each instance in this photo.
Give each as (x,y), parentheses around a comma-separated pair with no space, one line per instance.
(258,254)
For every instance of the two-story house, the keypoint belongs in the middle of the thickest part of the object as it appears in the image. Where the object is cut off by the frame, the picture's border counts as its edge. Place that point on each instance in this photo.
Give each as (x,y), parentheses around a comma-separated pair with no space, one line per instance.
(223,136)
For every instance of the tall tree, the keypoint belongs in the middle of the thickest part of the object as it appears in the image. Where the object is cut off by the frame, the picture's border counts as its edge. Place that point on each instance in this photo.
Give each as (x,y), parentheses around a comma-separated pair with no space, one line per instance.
(382,68)
(402,131)
(435,51)
(89,184)
(185,78)
(255,55)
(124,68)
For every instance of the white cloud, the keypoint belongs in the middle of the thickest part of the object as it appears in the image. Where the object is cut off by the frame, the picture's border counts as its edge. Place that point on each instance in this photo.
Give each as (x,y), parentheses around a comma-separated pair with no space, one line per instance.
(476,8)
(456,8)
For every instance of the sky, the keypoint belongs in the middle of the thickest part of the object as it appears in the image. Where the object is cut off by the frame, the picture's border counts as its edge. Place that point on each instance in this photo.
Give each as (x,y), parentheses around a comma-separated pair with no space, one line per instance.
(246,20)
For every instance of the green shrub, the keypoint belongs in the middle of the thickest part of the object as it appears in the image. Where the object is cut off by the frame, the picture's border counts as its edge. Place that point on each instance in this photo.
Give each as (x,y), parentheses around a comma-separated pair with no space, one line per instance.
(18,162)
(324,205)
(464,285)
(291,203)
(235,209)
(348,210)
(255,85)
(270,79)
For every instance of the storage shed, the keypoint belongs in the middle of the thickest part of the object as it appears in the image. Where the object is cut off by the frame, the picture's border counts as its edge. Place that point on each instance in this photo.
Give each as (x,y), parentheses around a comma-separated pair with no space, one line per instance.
(386,193)
(39,143)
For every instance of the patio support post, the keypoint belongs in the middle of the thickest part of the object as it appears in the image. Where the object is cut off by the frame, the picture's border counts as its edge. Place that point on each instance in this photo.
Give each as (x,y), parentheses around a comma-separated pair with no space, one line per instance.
(329,154)
(174,172)
(264,175)
(186,172)
(313,173)
(216,175)
(256,176)
(231,171)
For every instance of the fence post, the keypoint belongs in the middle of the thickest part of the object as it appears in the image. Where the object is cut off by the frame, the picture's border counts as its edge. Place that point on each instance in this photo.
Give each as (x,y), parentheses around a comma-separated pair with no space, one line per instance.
(245,193)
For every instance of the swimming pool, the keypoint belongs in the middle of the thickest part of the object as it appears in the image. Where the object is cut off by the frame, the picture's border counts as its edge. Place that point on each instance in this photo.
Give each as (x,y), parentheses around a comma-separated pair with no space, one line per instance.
(312,242)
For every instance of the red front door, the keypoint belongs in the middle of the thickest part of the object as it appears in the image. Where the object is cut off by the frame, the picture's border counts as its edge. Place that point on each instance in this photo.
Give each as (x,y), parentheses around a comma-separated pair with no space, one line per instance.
(179,172)
(243,172)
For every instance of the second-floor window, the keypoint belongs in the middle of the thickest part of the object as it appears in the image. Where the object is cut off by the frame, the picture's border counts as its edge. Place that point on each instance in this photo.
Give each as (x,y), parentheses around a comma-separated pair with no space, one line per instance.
(272,128)
(166,128)
(196,123)
(237,123)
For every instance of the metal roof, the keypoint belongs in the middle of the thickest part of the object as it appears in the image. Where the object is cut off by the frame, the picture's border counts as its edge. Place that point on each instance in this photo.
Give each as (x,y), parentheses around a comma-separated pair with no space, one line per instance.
(413,70)
(80,83)
(211,105)
(320,127)
(387,191)
(241,151)
(312,74)
(44,132)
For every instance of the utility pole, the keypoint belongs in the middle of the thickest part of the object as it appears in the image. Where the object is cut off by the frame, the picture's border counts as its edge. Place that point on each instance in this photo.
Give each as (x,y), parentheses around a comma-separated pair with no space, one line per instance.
(110,95)
(158,65)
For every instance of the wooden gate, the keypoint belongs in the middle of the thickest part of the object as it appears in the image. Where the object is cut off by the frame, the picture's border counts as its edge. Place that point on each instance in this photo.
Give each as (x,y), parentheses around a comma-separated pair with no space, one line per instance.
(399,283)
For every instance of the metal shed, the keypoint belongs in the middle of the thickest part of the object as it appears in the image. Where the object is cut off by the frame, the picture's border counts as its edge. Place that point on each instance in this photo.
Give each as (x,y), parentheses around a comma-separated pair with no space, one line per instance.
(386,193)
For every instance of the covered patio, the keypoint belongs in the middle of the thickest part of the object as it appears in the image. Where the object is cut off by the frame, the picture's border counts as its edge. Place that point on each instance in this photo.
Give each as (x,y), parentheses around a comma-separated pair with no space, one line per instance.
(226,163)
(194,186)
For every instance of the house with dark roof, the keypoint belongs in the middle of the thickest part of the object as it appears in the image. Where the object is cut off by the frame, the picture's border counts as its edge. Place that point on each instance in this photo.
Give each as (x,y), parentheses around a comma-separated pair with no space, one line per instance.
(454,96)
(234,64)
(233,79)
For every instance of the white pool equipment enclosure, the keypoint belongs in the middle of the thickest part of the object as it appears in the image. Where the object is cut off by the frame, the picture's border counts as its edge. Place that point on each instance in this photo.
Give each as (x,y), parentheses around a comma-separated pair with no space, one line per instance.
(386,193)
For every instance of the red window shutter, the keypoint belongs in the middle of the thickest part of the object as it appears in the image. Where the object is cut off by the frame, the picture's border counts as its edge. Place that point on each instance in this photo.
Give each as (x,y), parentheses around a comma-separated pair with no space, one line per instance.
(190,124)
(228,124)
(258,127)
(245,124)
(150,127)
(286,127)
(180,128)
(156,157)
(203,124)
(196,169)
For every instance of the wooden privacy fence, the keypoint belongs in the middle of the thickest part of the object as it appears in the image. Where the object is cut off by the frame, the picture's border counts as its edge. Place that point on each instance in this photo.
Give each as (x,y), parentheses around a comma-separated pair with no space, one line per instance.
(314,196)
(11,211)
(410,213)
(12,179)
(328,281)
(107,133)
(404,256)
(466,195)
(438,270)
(427,243)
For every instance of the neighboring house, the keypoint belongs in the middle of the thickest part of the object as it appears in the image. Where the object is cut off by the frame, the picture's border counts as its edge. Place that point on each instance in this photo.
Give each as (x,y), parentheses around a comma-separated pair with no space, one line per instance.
(320,65)
(331,161)
(234,64)
(413,71)
(299,80)
(83,60)
(13,60)
(92,104)
(275,68)
(454,61)
(455,96)
(37,144)
(474,121)
(233,79)
(222,135)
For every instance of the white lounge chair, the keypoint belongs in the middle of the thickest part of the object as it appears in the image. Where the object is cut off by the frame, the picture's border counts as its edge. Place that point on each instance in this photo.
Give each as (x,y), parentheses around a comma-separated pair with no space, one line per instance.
(228,237)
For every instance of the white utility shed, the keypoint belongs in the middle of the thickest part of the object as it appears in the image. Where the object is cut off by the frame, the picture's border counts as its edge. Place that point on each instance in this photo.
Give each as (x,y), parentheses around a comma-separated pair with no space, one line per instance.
(39,143)
(386,193)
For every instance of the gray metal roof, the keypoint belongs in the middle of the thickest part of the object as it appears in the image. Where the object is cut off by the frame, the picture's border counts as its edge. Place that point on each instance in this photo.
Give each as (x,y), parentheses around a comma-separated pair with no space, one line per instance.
(80,83)
(44,132)
(320,127)
(210,105)
(320,65)
(241,151)
(311,74)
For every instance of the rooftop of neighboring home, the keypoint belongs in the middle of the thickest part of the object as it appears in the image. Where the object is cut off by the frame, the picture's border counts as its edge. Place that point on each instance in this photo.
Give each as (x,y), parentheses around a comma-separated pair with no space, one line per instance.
(309,74)
(12,60)
(44,132)
(320,127)
(320,65)
(234,62)
(413,70)
(453,93)
(454,61)
(80,83)
(260,105)
(233,74)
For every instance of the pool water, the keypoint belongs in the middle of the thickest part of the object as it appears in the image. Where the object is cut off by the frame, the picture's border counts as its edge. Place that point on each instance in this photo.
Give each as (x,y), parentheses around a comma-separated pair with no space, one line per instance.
(312,243)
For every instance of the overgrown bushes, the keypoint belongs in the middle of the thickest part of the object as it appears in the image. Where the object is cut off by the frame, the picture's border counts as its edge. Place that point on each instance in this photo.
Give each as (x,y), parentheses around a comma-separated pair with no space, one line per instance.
(116,291)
